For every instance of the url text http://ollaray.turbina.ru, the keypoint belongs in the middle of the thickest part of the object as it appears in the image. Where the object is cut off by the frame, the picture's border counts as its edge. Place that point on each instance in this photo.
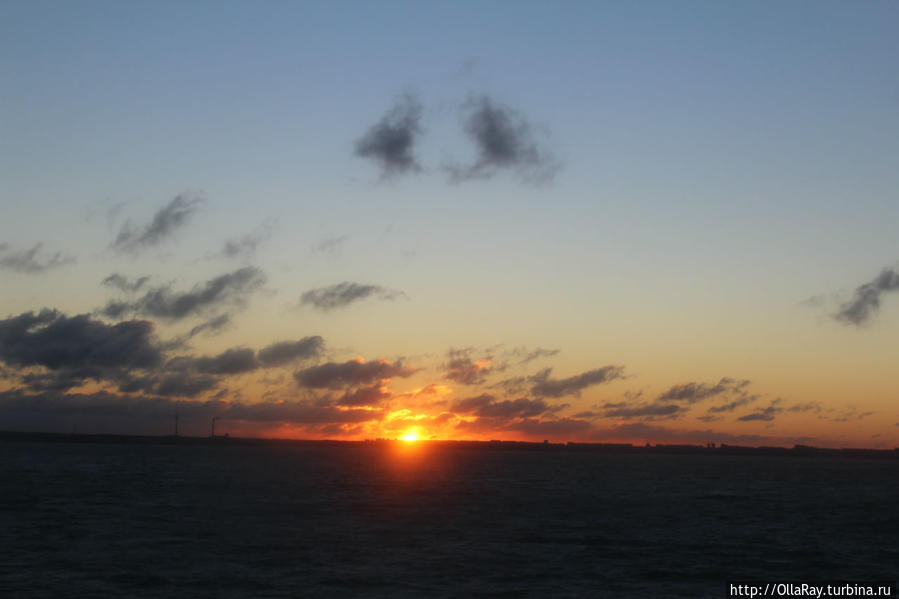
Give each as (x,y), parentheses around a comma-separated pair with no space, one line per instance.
(811,589)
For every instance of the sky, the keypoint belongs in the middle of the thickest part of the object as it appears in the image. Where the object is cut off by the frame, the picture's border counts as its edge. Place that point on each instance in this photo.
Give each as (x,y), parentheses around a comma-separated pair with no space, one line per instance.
(575,221)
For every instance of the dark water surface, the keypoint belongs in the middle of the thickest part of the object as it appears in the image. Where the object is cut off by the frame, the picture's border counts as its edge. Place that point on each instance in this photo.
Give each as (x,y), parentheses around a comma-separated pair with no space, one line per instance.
(110,520)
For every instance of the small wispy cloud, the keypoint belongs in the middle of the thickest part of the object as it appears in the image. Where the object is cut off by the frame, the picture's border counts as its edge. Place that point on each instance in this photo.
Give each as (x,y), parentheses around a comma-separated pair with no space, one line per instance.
(390,142)
(865,301)
(163,302)
(460,367)
(329,245)
(344,294)
(545,386)
(766,414)
(211,327)
(504,140)
(123,283)
(32,261)
(245,246)
(166,221)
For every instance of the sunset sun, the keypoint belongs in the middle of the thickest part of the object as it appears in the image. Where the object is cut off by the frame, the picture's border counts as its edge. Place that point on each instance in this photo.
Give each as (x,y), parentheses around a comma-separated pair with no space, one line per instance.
(410,435)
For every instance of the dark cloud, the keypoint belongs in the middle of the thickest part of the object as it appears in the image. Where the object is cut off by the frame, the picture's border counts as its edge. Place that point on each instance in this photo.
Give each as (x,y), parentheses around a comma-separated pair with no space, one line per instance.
(51,352)
(530,427)
(67,351)
(166,221)
(31,261)
(229,362)
(285,352)
(488,406)
(694,392)
(162,302)
(235,361)
(343,294)
(52,381)
(865,301)
(213,326)
(300,412)
(116,309)
(763,414)
(353,373)
(512,385)
(849,414)
(462,369)
(390,141)
(366,396)
(649,411)
(550,427)
(183,384)
(122,283)
(732,405)
(504,139)
(544,386)
(55,341)
(117,412)
(190,375)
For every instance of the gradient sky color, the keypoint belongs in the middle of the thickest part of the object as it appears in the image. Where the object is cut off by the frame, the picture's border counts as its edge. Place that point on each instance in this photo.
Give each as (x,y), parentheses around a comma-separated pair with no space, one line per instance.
(714,225)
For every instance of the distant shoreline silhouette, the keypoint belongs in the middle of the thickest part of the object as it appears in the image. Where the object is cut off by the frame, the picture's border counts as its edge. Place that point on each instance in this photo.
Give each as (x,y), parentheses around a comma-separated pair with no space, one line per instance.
(572,447)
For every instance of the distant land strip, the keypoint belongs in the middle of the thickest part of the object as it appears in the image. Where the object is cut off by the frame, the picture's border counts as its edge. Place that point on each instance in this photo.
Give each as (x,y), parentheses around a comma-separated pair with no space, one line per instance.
(658,448)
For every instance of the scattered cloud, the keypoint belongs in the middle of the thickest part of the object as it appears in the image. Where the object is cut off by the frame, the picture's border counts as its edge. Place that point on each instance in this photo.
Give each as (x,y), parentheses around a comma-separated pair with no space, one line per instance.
(371,395)
(245,245)
(287,352)
(55,341)
(733,405)
(122,283)
(344,294)
(504,140)
(67,351)
(865,301)
(230,362)
(764,414)
(544,386)
(390,142)
(529,356)
(644,410)
(180,384)
(848,414)
(211,327)
(488,406)
(693,392)
(32,261)
(462,369)
(150,414)
(353,373)
(166,221)
(162,302)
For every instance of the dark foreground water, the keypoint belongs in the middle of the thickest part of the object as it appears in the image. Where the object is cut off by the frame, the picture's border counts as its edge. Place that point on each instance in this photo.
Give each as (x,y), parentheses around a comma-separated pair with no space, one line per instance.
(82,520)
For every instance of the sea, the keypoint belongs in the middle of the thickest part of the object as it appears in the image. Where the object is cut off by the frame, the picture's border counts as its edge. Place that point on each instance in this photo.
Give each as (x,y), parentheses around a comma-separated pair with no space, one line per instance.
(416,520)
